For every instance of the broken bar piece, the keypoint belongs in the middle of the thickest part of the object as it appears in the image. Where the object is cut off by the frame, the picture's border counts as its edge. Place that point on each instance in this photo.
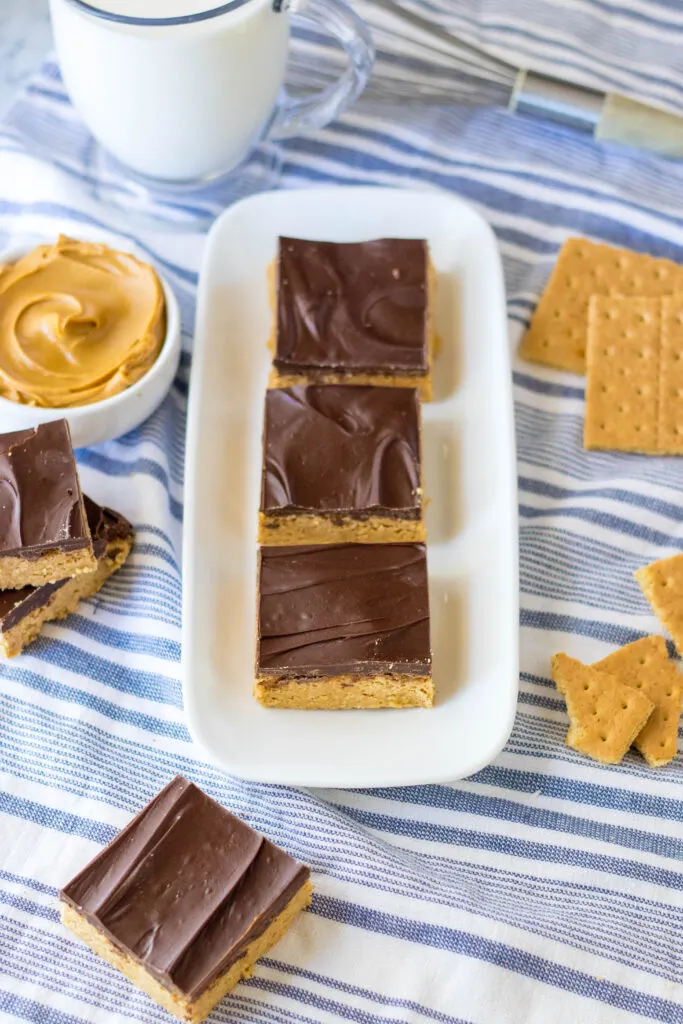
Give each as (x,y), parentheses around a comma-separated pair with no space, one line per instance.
(44,534)
(185,899)
(341,464)
(23,612)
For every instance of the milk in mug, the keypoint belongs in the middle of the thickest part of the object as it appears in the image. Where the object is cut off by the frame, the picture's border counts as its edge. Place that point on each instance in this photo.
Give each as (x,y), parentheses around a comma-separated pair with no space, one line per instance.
(183,93)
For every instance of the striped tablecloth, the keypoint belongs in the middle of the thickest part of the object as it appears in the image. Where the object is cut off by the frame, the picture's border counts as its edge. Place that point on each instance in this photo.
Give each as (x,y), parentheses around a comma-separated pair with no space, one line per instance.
(545,889)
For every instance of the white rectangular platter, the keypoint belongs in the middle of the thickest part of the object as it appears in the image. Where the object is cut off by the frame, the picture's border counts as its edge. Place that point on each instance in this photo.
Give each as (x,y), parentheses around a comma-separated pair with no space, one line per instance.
(470,484)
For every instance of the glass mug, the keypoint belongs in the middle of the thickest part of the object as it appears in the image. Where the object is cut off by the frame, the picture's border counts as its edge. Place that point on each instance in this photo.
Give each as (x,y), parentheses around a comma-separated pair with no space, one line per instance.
(184,93)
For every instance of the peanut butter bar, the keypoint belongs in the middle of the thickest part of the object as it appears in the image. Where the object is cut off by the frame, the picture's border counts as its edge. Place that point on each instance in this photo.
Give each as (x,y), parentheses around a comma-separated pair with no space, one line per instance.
(344,626)
(44,533)
(341,464)
(23,612)
(185,899)
(354,313)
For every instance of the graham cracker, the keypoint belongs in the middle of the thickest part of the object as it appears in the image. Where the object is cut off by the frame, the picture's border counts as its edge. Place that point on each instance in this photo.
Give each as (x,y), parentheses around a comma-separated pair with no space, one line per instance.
(670,420)
(605,714)
(662,584)
(557,335)
(645,665)
(622,390)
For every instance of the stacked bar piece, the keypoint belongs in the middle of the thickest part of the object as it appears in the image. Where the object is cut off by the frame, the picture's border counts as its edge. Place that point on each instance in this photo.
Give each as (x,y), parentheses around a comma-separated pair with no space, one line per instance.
(57,546)
(343,605)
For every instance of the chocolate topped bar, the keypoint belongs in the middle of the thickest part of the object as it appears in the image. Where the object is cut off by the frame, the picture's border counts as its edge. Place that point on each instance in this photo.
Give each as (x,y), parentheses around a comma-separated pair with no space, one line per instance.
(352,307)
(183,890)
(334,610)
(329,448)
(40,497)
(106,527)
(44,534)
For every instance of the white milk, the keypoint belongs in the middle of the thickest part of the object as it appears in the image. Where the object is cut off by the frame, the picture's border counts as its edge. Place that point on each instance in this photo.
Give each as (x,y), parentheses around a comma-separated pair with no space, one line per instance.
(179,102)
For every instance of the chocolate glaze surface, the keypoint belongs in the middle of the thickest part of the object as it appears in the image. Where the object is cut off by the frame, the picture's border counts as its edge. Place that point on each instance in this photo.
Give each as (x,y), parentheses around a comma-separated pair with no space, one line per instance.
(359,306)
(346,608)
(105,526)
(185,887)
(41,507)
(329,448)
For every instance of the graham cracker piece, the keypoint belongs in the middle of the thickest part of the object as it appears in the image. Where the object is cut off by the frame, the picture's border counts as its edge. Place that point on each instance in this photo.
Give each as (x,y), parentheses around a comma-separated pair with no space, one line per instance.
(605,715)
(645,665)
(670,430)
(662,584)
(557,335)
(622,390)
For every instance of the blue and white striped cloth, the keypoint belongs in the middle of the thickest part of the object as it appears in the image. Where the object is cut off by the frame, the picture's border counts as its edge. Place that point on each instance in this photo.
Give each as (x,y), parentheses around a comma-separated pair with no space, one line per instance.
(546,888)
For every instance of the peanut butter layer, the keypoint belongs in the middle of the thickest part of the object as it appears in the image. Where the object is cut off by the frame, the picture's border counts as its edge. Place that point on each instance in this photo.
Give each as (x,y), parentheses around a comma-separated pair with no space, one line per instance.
(78,322)
(340,453)
(382,380)
(347,692)
(314,529)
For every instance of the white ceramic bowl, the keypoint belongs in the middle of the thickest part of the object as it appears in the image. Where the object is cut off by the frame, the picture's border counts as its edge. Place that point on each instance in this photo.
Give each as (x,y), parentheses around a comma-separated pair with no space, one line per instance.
(110,417)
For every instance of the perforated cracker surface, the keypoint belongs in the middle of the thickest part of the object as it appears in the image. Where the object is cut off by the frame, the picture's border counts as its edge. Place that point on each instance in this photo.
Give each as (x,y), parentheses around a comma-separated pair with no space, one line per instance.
(557,335)
(622,389)
(670,427)
(645,665)
(662,584)
(605,715)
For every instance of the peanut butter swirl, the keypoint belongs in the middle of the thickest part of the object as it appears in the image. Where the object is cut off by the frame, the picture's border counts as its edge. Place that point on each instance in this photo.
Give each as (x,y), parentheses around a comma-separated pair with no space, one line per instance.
(79,322)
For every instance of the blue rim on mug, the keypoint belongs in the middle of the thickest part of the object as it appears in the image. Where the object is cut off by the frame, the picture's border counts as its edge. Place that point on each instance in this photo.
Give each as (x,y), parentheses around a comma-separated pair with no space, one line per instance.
(181,19)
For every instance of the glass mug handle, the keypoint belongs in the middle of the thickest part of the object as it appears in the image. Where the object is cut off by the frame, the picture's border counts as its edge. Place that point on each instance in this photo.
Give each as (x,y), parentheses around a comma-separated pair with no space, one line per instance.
(294,116)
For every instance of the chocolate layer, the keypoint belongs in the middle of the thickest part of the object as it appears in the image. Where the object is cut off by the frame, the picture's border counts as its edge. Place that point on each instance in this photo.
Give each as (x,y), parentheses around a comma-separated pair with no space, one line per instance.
(333,449)
(41,507)
(185,887)
(348,608)
(352,307)
(105,527)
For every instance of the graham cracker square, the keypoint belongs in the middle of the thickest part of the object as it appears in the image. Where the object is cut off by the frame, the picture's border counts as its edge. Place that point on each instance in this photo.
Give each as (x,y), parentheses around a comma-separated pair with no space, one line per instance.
(670,430)
(645,665)
(622,389)
(662,584)
(557,335)
(605,715)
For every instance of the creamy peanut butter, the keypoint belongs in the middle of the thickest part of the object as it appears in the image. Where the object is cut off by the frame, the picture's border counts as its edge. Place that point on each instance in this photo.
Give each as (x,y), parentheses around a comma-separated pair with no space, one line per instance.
(78,322)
